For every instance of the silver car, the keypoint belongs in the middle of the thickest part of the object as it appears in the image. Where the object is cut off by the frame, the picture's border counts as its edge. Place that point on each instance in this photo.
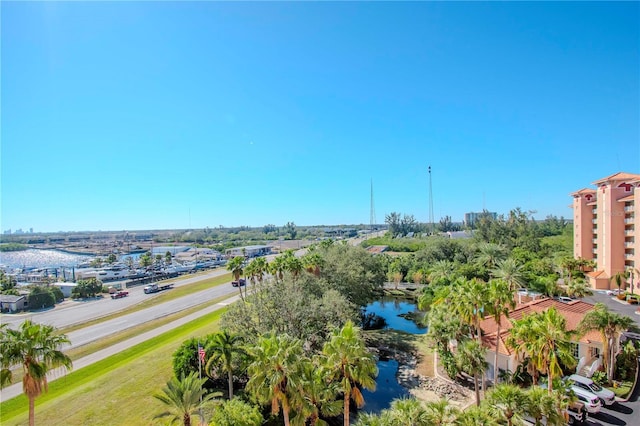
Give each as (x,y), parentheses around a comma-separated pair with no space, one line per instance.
(606,396)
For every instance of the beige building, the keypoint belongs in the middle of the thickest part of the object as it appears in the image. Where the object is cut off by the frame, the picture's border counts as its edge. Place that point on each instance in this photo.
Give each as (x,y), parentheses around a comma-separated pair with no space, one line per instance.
(604,228)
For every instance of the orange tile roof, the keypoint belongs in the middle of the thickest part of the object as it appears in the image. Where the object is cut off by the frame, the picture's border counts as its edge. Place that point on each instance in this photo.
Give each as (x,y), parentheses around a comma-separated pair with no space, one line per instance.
(595,274)
(617,177)
(627,198)
(584,191)
(573,312)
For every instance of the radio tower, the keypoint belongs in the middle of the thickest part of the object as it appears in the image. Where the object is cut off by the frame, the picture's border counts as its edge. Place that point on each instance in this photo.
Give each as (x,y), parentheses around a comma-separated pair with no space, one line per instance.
(430,203)
(372,215)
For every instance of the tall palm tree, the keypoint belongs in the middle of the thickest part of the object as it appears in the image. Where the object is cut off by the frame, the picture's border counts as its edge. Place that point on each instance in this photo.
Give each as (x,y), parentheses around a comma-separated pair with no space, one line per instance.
(471,301)
(501,302)
(471,359)
(578,288)
(545,339)
(610,325)
(184,399)
(37,348)
(315,395)
(274,373)
(235,265)
(223,348)
(520,340)
(349,362)
(510,271)
(508,401)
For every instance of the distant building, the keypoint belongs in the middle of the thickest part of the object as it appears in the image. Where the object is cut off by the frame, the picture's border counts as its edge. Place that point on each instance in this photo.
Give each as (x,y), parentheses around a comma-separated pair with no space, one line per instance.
(471,218)
(248,251)
(604,228)
(10,303)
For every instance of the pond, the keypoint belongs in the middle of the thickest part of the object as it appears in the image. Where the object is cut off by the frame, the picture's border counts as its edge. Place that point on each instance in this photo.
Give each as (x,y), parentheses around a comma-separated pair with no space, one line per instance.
(396,313)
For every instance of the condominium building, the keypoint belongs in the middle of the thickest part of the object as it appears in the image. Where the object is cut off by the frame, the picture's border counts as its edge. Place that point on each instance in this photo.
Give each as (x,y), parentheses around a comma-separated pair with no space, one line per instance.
(604,228)
(471,218)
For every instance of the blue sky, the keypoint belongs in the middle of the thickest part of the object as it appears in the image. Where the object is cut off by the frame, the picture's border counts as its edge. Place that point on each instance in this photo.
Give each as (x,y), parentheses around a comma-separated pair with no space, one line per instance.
(159,115)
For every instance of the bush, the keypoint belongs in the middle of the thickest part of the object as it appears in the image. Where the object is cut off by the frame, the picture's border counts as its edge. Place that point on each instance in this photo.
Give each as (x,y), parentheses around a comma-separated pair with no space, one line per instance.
(40,298)
(600,378)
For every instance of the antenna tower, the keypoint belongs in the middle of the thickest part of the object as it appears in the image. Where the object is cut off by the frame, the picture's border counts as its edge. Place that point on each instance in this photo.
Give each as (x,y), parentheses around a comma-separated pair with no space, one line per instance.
(372,215)
(431,220)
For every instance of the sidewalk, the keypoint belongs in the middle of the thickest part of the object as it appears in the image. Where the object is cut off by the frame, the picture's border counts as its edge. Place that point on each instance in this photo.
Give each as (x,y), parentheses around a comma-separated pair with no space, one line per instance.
(16,389)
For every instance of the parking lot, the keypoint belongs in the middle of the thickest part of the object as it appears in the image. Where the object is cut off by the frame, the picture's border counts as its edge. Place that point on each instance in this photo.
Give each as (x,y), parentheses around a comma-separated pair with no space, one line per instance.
(620,413)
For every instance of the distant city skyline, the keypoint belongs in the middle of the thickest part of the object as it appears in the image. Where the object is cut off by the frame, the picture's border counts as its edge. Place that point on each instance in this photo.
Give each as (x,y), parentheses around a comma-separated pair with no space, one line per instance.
(168,115)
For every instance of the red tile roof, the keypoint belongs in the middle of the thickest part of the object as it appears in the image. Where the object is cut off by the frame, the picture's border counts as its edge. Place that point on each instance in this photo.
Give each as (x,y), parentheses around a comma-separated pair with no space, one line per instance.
(573,312)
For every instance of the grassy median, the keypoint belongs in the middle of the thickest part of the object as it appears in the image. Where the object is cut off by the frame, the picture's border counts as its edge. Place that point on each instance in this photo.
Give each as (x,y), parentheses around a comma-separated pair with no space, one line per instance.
(115,391)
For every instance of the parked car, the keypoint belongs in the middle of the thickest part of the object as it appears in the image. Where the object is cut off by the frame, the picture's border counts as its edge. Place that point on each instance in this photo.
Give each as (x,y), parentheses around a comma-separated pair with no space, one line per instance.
(589,399)
(615,292)
(565,299)
(606,396)
(240,283)
(633,299)
(577,413)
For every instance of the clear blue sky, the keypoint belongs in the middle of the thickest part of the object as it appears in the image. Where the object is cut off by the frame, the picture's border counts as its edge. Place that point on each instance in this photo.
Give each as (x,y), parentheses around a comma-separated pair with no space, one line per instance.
(158,115)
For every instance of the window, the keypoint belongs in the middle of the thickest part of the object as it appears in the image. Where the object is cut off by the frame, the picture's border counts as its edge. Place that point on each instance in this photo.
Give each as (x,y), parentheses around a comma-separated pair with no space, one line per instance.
(575,350)
(594,352)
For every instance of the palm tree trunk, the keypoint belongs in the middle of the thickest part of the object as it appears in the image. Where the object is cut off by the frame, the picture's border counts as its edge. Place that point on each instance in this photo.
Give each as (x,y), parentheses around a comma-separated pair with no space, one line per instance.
(550,380)
(230,378)
(347,399)
(495,359)
(611,360)
(285,413)
(186,419)
(32,411)
(475,384)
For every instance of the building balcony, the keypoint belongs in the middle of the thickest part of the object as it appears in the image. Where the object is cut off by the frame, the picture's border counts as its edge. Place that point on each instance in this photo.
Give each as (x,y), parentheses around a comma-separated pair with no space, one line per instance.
(629,244)
(628,221)
(629,255)
(629,232)
(629,208)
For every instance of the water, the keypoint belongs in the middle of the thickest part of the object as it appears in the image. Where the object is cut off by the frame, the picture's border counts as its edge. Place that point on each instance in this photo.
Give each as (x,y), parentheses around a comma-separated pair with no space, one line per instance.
(34,258)
(391,308)
(387,387)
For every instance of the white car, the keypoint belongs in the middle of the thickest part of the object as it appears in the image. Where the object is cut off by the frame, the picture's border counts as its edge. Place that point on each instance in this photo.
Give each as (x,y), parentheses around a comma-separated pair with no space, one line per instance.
(615,292)
(589,399)
(606,396)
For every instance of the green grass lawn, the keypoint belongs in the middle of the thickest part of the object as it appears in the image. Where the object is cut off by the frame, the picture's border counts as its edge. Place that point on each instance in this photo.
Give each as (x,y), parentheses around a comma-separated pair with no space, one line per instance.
(115,391)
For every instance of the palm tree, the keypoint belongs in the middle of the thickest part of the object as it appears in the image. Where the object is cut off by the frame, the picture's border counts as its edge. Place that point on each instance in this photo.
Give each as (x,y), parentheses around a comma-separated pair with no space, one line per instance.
(350,363)
(578,288)
(543,336)
(490,254)
(235,266)
(274,373)
(440,413)
(223,347)
(315,396)
(277,267)
(184,398)
(501,297)
(620,278)
(37,348)
(541,405)
(470,302)
(610,325)
(471,359)
(510,271)
(476,416)
(508,401)
(441,270)
(313,262)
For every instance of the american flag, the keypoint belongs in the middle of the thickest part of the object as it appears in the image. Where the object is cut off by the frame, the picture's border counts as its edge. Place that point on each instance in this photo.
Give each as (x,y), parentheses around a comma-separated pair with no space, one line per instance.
(201,353)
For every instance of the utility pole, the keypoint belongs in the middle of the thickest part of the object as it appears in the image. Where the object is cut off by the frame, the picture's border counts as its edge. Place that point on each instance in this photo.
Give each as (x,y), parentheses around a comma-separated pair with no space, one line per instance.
(372,215)
(431,220)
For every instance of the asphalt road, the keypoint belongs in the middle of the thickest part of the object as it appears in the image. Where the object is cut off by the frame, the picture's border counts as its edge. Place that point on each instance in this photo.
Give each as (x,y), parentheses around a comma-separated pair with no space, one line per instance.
(72,312)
